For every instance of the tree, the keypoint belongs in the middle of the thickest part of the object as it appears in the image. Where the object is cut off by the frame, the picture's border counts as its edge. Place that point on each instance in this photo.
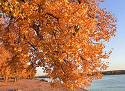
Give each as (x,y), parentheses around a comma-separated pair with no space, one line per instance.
(66,37)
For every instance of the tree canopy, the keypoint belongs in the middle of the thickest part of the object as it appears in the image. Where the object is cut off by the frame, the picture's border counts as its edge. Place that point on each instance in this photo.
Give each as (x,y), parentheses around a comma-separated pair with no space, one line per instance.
(66,37)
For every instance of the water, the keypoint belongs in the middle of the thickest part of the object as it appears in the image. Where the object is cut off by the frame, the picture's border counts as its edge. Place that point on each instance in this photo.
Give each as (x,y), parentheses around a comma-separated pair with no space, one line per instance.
(109,83)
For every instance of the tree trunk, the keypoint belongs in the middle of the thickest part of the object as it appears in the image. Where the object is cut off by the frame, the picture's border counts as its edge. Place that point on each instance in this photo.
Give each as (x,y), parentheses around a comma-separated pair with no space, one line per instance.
(5,79)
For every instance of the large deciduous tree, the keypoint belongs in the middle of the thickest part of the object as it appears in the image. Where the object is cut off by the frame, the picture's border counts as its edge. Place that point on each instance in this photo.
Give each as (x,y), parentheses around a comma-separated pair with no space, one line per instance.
(66,37)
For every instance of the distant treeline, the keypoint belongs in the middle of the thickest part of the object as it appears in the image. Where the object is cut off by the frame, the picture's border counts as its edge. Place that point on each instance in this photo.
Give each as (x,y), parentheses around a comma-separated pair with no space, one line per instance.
(114,72)
(42,77)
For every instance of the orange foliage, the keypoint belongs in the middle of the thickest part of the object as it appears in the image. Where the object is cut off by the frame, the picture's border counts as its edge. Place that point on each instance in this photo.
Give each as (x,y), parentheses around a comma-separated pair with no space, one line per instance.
(67,37)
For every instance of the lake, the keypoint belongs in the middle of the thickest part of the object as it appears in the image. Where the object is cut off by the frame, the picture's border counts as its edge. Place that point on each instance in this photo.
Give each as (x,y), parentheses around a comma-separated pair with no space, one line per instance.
(109,83)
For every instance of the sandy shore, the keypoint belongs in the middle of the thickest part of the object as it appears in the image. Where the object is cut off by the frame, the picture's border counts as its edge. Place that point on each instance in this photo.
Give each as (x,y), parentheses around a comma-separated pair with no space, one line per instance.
(30,85)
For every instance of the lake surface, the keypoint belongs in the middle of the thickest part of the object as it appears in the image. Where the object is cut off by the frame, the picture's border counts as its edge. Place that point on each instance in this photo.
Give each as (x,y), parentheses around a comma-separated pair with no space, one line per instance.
(109,83)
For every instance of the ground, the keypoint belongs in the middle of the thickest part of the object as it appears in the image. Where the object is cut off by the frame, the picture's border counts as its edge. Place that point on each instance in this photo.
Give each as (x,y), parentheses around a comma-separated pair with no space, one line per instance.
(30,85)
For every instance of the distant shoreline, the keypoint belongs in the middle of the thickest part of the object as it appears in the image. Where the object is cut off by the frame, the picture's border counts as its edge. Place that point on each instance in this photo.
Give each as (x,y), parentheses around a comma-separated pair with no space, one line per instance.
(114,72)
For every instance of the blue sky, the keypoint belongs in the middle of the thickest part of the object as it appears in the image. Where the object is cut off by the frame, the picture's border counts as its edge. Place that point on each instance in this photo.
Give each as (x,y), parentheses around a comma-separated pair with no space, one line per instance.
(117,7)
